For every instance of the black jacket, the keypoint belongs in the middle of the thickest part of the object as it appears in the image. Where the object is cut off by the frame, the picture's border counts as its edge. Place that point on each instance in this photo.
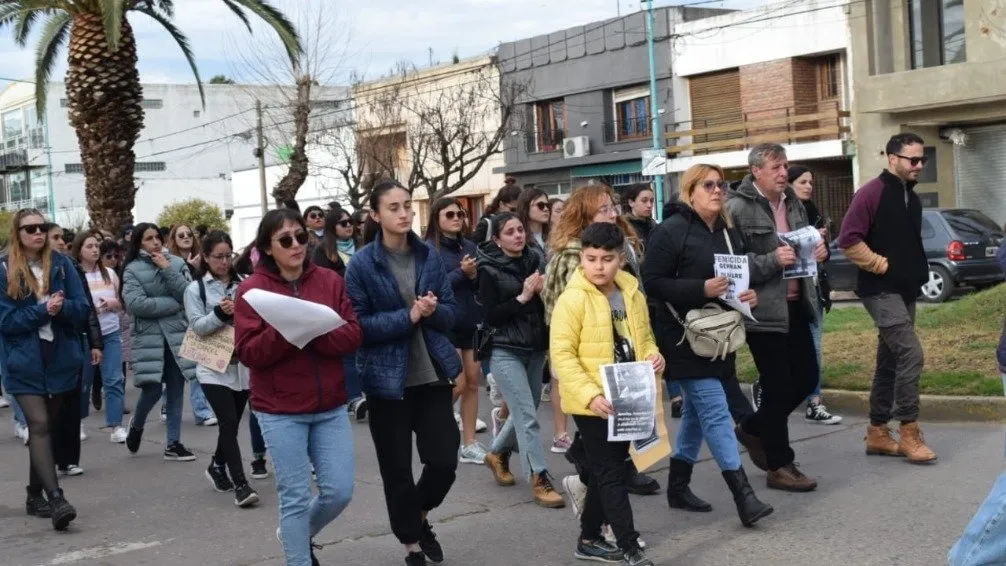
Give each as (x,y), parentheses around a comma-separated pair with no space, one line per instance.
(321,259)
(679,260)
(899,239)
(643,227)
(95,340)
(501,280)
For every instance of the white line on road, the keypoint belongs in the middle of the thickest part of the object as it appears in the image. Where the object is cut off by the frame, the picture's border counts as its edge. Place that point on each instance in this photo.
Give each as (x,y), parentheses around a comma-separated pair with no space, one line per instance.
(101,551)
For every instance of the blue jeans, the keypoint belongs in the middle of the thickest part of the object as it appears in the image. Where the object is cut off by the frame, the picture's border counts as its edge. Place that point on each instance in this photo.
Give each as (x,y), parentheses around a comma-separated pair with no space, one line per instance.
(18,413)
(296,442)
(673,389)
(112,380)
(255,431)
(705,414)
(201,409)
(816,330)
(174,390)
(518,375)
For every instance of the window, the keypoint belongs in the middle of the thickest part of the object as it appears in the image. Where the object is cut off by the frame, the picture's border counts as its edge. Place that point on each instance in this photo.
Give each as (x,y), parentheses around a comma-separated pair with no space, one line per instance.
(930,172)
(151,166)
(74,168)
(936,32)
(152,103)
(13,124)
(550,125)
(830,76)
(632,113)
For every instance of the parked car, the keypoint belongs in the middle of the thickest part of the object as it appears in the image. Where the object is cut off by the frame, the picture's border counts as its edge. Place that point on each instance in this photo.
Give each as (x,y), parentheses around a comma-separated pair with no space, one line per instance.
(960,245)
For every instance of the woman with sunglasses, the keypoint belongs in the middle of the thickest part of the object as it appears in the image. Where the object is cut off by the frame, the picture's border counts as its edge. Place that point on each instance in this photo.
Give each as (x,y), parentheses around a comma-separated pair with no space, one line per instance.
(42,308)
(299,395)
(447,233)
(314,219)
(209,306)
(408,366)
(153,288)
(183,243)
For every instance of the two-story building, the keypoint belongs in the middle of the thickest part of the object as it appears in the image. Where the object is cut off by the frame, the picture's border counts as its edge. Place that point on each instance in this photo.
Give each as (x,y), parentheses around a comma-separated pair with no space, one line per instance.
(936,68)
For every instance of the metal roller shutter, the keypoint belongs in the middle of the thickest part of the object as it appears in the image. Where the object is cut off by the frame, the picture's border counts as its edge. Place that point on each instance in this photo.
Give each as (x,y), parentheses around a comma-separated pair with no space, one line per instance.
(980,171)
(716,101)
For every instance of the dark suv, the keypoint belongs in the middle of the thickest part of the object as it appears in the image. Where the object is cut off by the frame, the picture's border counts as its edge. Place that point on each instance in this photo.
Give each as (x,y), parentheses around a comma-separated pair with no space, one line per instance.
(960,244)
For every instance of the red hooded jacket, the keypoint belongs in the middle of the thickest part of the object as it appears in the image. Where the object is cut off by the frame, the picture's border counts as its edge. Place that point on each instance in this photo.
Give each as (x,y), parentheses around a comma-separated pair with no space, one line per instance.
(285,380)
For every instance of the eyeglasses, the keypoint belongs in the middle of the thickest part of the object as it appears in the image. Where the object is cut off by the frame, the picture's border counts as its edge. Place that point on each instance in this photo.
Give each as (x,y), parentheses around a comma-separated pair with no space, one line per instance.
(452,214)
(542,206)
(33,229)
(109,256)
(345,223)
(608,210)
(184,234)
(286,240)
(316,215)
(710,186)
(914,161)
(228,257)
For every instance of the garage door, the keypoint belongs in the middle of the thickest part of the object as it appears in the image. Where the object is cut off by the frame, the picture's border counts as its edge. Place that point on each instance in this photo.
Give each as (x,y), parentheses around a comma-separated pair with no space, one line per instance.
(980,171)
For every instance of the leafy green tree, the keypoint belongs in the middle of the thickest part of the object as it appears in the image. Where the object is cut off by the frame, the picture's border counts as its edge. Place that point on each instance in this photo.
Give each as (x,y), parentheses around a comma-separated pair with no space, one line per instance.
(193,213)
(221,80)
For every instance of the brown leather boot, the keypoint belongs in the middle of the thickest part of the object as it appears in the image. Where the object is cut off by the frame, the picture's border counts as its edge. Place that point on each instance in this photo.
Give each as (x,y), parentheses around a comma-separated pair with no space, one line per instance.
(913,445)
(880,442)
(499,465)
(754,447)
(545,493)
(790,478)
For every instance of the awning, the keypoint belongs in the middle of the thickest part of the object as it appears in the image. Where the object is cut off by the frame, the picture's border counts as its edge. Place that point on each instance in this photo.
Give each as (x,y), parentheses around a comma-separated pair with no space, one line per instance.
(602,169)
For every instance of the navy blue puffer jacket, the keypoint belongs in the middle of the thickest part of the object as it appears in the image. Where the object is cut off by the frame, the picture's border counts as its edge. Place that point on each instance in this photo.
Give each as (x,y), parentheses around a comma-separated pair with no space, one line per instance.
(467,311)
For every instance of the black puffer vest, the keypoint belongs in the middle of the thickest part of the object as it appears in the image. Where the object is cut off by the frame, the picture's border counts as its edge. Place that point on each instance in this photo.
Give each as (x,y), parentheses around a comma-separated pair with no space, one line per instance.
(527,330)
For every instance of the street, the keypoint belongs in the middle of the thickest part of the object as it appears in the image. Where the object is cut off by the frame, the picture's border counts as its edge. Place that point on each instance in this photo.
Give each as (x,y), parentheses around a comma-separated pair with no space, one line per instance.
(141,510)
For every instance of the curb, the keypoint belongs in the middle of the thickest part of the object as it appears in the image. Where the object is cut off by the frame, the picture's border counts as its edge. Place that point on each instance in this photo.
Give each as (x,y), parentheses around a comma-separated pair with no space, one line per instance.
(935,408)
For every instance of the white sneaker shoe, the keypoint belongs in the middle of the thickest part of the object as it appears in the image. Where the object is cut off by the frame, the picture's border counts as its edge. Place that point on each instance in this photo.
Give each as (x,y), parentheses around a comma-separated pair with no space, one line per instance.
(212,421)
(480,425)
(576,493)
(609,536)
(71,470)
(21,432)
(83,433)
(3,403)
(119,435)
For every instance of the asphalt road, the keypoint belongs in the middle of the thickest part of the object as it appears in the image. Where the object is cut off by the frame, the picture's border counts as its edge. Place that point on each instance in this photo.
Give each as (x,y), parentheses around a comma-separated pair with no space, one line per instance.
(141,510)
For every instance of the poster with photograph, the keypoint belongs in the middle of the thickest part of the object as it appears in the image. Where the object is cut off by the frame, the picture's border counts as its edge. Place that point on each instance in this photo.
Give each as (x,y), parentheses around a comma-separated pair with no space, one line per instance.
(631,388)
(656,449)
(803,242)
(735,269)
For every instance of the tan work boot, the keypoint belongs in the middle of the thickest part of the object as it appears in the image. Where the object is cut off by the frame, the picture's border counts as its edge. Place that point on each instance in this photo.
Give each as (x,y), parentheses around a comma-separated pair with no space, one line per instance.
(545,493)
(880,442)
(499,465)
(913,445)
(790,478)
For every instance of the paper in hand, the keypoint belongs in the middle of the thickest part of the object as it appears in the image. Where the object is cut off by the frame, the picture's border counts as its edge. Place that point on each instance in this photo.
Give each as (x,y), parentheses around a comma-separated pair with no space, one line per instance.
(735,269)
(297,320)
(804,242)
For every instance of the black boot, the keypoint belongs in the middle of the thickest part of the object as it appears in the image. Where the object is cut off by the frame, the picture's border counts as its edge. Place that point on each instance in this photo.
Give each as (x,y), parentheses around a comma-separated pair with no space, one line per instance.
(36,505)
(749,508)
(62,511)
(639,484)
(679,495)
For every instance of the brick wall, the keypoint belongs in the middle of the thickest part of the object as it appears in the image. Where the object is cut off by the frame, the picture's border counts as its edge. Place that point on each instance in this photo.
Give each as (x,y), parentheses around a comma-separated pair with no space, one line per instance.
(781,88)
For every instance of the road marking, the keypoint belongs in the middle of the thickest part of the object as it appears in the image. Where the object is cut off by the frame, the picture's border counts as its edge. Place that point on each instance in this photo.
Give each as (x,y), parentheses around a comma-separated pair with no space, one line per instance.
(101,551)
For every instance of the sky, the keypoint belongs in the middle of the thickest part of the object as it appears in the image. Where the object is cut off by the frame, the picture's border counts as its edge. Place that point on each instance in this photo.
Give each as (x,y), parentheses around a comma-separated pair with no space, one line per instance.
(364,39)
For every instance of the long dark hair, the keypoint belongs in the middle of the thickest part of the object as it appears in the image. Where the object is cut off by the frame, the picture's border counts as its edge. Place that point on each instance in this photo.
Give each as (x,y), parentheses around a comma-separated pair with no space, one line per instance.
(795,172)
(509,193)
(332,219)
(371,228)
(524,210)
(243,264)
(136,242)
(78,246)
(271,223)
(433,233)
(501,219)
(209,242)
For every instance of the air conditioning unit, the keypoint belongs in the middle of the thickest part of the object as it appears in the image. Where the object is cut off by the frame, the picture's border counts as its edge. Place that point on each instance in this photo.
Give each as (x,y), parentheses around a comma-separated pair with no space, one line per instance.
(578,146)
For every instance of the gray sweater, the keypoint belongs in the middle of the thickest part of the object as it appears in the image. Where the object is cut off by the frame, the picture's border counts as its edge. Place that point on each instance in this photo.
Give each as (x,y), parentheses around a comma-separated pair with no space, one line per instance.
(403,267)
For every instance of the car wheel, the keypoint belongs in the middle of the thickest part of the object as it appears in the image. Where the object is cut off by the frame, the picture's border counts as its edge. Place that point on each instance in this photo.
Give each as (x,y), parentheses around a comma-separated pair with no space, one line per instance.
(939,287)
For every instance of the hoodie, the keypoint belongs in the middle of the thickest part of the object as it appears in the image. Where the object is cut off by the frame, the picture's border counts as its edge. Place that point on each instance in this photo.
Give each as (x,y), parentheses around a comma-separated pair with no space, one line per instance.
(501,280)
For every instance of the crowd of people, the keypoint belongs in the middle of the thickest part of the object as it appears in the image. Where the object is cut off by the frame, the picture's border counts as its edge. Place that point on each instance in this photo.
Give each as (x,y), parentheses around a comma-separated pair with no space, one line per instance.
(531,299)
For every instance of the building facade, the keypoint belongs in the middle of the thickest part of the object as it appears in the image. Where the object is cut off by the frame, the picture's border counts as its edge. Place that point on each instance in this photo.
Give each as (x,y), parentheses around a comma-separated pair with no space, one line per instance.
(936,68)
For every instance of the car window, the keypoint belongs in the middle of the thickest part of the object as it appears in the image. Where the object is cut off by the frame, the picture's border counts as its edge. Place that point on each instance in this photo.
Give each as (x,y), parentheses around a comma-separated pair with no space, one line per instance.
(971,224)
(927,229)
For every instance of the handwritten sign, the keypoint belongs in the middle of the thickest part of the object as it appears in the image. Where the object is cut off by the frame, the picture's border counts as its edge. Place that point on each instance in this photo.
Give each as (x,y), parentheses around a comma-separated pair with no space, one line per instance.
(735,269)
(213,351)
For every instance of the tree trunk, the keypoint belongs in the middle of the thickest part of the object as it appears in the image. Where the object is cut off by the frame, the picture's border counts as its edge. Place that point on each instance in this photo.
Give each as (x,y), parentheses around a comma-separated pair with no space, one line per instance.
(104,95)
(286,189)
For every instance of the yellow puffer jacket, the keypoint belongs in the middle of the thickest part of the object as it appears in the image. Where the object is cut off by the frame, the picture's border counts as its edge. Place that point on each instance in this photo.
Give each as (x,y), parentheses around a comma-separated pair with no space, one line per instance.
(582,339)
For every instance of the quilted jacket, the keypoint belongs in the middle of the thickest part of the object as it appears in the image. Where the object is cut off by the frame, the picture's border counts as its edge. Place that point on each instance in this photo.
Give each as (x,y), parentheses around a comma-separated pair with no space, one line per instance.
(387,330)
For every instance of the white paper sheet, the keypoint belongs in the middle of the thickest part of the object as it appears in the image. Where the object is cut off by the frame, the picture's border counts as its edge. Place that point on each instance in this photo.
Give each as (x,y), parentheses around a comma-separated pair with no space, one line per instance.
(735,268)
(803,241)
(299,321)
(631,388)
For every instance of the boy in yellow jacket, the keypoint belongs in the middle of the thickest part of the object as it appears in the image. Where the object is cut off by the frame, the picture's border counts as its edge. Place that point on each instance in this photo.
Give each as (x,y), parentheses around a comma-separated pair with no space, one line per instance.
(601,318)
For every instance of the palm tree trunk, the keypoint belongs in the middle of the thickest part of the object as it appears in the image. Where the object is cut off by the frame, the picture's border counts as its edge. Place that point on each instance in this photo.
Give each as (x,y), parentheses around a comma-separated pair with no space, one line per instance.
(104,94)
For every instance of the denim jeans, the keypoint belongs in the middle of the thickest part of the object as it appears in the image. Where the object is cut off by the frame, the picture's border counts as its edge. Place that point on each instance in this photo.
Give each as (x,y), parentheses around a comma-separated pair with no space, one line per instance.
(201,409)
(705,414)
(296,442)
(174,390)
(984,539)
(816,331)
(518,375)
(673,389)
(18,413)
(112,380)
(255,431)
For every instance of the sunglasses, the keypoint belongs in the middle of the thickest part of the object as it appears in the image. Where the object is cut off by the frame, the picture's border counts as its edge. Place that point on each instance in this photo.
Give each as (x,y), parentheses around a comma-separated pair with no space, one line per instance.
(286,240)
(452,214)
(184,234)
(542,206)
(109,256)
(316,215)
(710,186)
(914,161)
(33,229)
(345,223)
(226,257)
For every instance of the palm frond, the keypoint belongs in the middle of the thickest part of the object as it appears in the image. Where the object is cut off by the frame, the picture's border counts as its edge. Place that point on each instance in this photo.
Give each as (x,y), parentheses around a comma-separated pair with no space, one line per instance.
(54,36)
(26,19)
(181,40)
(112,13)
(277,21)
(239,12)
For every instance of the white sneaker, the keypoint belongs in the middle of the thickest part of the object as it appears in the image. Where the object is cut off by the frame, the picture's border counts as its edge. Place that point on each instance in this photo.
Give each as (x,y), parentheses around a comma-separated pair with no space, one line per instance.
(576,493)
(495,395)
(71,470)
(3,402)
(119,435)
(473,453)
(212,421)
(83,433)
(480,425)
(21,432)
(609,536)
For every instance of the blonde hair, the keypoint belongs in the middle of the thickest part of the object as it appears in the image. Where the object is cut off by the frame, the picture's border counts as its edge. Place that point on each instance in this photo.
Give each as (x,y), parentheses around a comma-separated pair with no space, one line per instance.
(579,212)
(691,179)
(21,282)
(173,243)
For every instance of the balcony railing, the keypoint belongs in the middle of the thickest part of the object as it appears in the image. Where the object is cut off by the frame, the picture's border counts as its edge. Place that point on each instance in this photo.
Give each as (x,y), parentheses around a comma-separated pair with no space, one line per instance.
(543,142)
(14,159)
(633,129)
(40,203)
(739,131)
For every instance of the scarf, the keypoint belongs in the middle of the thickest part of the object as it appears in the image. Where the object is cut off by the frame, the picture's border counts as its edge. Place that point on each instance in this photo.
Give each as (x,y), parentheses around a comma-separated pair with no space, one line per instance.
(347,247)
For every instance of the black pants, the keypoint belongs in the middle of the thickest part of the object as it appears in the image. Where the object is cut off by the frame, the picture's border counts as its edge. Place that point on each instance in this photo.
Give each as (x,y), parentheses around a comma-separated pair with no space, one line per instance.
(228,406)
(787,363)
(740,407)
(66,433)
(427,412)
(607,495)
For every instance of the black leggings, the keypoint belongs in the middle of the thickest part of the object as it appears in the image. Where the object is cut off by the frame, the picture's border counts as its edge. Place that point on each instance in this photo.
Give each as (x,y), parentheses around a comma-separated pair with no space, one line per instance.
(228,406)
(40,413)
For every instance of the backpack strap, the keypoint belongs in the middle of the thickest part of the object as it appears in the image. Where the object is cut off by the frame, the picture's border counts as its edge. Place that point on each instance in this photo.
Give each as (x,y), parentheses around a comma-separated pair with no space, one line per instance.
(202,291)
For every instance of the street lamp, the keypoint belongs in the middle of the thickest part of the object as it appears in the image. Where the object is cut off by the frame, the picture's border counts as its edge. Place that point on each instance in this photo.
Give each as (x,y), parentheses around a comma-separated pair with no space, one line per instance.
(654,113)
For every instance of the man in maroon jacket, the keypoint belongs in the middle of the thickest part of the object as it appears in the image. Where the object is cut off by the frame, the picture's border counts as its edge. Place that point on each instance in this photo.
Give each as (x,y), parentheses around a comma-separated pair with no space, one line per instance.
(892,267)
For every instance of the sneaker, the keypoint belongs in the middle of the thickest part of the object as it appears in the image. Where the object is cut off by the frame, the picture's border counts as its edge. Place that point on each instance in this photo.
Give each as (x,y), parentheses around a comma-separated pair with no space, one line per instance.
(609,536)
(36,506)
(495,395)
(244,495)
(3,402)
(62,511)
(416,559)
(817,413)
(164,414)
(83,433)
(598,551)
(217,475)
(71,470)
(259,471)
(636,557)
(119,435)
(756,394)
(178,453)
(428,542)
(133,438)
(480,426)
(576,493)
(546,393)
(359,409)
(212,421)
(473,453)
(21,432)
(561,443)
(494,416)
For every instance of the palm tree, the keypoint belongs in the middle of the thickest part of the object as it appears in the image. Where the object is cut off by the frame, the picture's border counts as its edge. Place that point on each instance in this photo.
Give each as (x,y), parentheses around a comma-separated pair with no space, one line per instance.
(103,84)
